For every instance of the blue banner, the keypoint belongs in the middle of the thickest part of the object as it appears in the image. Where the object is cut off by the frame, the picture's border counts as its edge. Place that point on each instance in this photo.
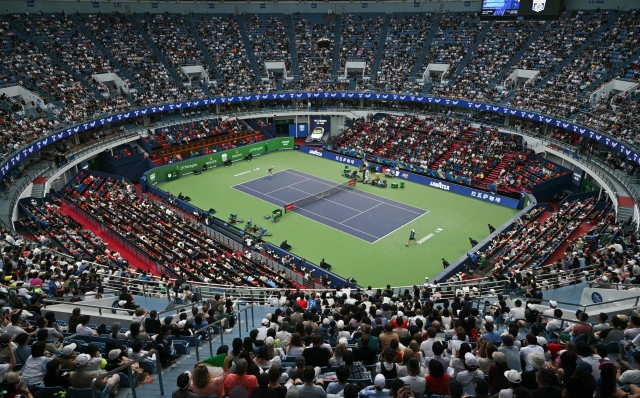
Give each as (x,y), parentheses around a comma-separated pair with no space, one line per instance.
(263,5)
(416,4)
(298,130)
(212,5)
(314,5)
(365,5)
(31,3)
(154,5)
(118,117)
(443,185)
(95,4)
(331,156)
(117,5)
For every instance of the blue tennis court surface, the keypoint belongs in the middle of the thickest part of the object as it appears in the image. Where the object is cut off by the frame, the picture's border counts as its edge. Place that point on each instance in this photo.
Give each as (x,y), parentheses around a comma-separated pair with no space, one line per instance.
(361,214)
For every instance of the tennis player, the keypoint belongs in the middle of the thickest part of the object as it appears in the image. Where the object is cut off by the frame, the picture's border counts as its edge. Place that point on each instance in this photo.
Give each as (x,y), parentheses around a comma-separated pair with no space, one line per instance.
(271,170)
(412,237)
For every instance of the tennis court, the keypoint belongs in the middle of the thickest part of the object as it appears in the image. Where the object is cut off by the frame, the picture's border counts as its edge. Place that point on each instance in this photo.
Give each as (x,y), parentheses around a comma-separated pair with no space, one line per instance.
(360,214)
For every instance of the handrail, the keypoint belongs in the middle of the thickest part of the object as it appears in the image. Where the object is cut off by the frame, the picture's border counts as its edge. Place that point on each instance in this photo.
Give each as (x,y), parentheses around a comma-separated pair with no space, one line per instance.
(130,374)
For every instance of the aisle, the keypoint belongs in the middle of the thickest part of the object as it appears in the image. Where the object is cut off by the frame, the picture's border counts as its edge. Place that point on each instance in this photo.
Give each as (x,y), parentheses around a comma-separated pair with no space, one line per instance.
(112,244)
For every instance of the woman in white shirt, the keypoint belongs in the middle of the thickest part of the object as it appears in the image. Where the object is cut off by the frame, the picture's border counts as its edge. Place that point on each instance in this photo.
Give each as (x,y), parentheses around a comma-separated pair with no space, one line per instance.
(295,346)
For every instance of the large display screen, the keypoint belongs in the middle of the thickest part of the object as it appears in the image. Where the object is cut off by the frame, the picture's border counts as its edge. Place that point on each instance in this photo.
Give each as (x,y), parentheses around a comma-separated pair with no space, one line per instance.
(524,9)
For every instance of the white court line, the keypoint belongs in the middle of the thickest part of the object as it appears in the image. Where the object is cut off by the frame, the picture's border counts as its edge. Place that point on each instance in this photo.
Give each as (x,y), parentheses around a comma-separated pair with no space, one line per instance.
(290,186)
(265,176)
(346,226)
(360,213)
(359,194)
(334,228)
(261,193)
(402,226)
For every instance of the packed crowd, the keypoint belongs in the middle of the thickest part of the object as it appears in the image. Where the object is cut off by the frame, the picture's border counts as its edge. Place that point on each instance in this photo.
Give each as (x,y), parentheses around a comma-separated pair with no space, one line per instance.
(364,343)
(221,36)
(404,139)
(269,40)
(169,241)
(499,46)
(60,35)
(153,83)
(455,36)
(60,65)
(359,39)
(314,35)
(529,244)
(617,117)
(405,38)
(558,96)
(479,155)
(171,35)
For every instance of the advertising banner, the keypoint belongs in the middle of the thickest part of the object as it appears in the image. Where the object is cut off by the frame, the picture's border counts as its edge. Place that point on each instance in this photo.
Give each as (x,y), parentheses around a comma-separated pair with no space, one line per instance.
(331,156)
(576,180)
(320,122)
(443,185)
(175,170)
(298,130)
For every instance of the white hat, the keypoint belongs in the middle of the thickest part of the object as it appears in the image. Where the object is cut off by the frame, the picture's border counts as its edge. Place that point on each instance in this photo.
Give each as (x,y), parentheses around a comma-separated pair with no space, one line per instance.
(542,340)
(122,302)
(69,349)
(114,354)
(488,318)
(553,303)
(343,341)
(182,323)
(83,359)
(265,322)
(269,340)
(531,306)
(513,376)
(379,381)
(326,321)
(492,291)
(475,289)
(470,360)
(400,314)
(340,324)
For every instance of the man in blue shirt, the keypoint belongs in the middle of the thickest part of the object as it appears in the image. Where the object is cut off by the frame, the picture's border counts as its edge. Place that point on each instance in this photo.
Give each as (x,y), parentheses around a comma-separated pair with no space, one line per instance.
(491,335)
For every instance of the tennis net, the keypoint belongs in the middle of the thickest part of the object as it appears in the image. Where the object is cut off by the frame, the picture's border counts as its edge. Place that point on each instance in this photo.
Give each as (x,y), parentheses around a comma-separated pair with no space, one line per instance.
(345,186)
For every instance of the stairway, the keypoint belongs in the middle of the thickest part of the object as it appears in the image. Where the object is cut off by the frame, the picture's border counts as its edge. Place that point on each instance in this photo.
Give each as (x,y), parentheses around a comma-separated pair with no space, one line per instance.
(59,62)
(499,77)
(295,68)
(425,48)
(336,47)
(495,173)
(353,83)
(444,157)
(426,88)
(472,50)
(203,48)
(156,51)
(247,45)
(570,58)
(37,191)
(162,142)
(381,44)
